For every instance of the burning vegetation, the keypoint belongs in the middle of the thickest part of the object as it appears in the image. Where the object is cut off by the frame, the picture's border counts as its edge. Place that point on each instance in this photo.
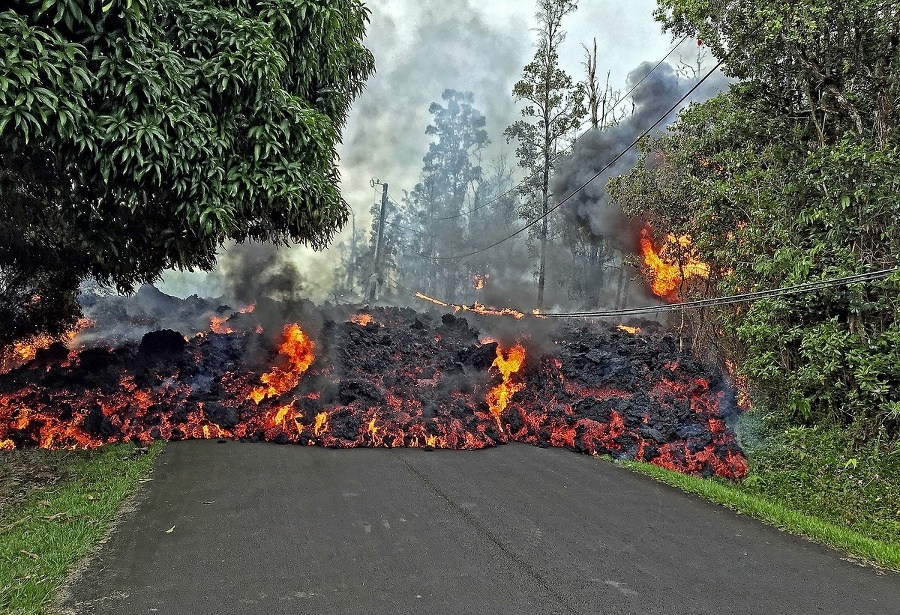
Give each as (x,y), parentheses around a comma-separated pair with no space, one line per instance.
(386,377)
(670,263)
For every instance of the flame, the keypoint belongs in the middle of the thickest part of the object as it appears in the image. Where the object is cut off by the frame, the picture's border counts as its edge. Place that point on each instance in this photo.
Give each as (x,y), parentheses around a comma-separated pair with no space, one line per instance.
(372,430)
(298,348)
(217,325)
(432,300)
(666,274)
(321,423)
(498,397)
(627,329)
(479,281)
(361,319)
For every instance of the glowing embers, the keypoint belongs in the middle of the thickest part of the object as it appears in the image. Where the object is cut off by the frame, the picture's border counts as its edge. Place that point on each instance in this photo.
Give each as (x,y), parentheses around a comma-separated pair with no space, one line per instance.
(24,351)
(671,263)
(627,329)
(480,280)
(362,319)
(509,365)
(298,349)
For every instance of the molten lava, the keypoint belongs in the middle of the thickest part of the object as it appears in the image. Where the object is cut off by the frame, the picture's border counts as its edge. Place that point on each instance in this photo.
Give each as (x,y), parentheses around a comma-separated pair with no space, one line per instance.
(415,380)
(670,264)
(498,397)
(298,349)
(362,319)
(24,351)
(217,325)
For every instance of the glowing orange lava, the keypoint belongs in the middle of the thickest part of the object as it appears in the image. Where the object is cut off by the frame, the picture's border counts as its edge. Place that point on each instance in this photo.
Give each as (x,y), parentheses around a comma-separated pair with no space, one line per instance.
(627,329)
(666,273)
(498,397)
(23,351)
(298,349)
(361,319)
(217,325)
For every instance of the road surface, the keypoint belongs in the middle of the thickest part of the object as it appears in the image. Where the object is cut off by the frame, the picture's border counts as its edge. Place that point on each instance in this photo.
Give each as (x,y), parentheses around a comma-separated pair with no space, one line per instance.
(260,528)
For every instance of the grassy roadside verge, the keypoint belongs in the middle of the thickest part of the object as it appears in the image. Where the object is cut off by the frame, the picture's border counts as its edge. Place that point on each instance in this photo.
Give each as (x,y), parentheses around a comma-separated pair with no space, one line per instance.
(816,482)
(47,526)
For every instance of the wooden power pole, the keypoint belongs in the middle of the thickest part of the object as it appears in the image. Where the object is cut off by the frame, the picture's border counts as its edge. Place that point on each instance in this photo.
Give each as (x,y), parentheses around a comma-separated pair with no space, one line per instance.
(377,277)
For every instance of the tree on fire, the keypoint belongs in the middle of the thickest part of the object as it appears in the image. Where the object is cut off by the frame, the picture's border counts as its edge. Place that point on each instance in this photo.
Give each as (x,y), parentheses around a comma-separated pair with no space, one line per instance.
(791,176)
(554,108)
(139,135)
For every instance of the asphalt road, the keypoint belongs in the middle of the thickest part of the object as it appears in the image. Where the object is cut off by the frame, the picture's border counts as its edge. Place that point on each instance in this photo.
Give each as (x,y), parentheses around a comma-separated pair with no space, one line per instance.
(261,528)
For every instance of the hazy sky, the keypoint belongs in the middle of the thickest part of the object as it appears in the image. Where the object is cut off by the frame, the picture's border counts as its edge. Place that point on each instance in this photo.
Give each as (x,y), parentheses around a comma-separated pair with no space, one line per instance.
(422,47)
(481,46)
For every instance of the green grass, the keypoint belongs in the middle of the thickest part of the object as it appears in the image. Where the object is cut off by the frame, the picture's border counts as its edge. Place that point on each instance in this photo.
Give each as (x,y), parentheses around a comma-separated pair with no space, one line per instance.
(817,482)
(55,524)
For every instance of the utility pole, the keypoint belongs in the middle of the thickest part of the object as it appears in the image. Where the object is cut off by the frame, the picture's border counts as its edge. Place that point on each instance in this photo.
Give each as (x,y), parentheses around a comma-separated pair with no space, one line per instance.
(351,269)
(377,278)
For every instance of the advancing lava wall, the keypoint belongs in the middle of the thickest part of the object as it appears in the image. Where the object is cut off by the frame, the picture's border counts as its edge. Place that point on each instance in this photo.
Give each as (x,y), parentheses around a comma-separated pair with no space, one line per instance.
(382,377)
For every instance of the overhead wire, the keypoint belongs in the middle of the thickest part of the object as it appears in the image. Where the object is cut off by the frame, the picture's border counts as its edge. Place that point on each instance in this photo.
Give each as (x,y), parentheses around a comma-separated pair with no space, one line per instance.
(733,299)
(571,145)
(749,297)
(585,184)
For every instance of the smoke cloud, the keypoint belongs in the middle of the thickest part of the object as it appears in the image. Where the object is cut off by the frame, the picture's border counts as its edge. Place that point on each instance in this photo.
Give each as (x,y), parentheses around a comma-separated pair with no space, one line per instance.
(653,96)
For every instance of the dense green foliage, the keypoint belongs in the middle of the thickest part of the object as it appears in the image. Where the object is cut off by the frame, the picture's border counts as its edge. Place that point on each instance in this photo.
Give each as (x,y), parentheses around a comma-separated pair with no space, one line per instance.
(138,135)
(793,175)
(822,471)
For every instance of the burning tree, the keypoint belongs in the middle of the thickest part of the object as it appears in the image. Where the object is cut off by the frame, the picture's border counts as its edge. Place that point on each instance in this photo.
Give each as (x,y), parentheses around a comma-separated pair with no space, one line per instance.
(183,125)
(784,179)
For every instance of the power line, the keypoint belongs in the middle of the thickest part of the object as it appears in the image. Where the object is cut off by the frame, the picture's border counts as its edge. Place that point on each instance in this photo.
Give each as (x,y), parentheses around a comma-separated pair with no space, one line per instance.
(805,287)
(595,176)
(569,146)
(858,278)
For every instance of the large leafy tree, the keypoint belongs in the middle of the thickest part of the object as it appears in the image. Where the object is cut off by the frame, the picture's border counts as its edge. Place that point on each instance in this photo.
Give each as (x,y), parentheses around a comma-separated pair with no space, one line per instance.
(450,182)
(138,135)
(554,107)
(792,176)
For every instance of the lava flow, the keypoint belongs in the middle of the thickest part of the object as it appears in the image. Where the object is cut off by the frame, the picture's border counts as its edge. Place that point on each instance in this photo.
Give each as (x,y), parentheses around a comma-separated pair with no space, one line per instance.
(670,264)
(403,378)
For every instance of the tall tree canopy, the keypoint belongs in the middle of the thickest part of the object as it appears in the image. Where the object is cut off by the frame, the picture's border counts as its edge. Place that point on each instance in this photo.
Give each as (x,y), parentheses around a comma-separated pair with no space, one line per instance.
(554,107)
(138,135)
(791,176)
(451,178)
